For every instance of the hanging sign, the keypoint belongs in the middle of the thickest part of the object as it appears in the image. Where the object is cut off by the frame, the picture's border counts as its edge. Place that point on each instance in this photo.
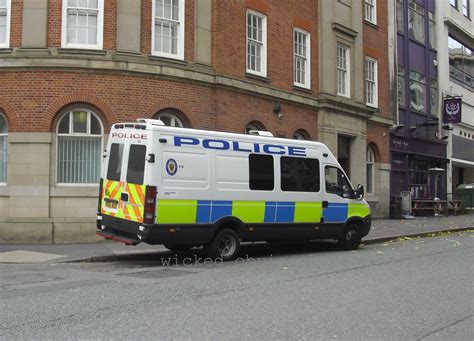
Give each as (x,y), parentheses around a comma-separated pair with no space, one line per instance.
(452,110)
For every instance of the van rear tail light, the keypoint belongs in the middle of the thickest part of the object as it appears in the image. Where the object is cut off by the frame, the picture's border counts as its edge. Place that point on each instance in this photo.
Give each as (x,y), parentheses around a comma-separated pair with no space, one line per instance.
(99,206)
(150,205)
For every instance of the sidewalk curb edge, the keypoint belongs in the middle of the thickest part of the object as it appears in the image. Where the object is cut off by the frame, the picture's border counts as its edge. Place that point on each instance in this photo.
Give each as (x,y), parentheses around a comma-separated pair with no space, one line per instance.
(112,258)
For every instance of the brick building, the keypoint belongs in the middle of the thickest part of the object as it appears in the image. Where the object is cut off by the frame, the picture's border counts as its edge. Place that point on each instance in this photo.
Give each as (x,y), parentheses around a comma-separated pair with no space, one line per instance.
(69,69)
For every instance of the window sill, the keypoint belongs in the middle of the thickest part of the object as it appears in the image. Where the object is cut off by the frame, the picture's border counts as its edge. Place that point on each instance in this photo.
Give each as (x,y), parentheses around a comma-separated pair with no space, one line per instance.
(4,190)
(343,96)
(371,24)
(257,77)
(167,60)
(373,106)
(302,89)
(86,51)
(74,191)
(6,50)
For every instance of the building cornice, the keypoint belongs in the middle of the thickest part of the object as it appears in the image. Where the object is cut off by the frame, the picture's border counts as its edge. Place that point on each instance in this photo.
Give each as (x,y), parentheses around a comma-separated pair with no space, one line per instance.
(459,29)
(380,120)
(346,105)
(344,29)
(73,60)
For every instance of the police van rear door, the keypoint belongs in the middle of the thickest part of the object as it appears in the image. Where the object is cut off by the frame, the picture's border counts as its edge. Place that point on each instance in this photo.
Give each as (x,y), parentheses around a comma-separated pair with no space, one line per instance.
(123,189)
(112,180)
(133,189)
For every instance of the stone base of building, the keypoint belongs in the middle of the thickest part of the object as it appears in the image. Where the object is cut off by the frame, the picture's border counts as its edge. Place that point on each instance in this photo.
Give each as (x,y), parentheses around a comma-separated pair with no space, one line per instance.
(47,231)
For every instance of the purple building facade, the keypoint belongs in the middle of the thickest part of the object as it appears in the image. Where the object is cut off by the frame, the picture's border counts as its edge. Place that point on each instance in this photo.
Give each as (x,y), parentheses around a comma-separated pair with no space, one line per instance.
(418,155)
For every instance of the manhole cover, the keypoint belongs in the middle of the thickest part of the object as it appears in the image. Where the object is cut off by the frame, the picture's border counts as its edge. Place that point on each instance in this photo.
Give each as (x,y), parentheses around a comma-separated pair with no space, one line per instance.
(157,273)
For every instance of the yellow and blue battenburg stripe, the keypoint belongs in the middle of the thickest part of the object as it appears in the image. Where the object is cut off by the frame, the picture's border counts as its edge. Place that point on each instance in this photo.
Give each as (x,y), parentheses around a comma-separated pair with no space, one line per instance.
(259,212)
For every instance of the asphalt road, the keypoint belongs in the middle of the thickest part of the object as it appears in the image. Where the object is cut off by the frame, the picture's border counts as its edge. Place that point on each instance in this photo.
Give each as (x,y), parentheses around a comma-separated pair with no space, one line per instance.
(413,289)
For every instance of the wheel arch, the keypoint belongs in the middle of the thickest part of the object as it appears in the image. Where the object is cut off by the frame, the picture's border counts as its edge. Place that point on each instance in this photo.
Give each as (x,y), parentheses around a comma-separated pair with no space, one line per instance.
(232,223)
(356,221)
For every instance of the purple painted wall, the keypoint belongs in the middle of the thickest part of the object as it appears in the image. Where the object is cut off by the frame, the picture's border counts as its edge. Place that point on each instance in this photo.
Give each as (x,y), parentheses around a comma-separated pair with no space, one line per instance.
(420,143)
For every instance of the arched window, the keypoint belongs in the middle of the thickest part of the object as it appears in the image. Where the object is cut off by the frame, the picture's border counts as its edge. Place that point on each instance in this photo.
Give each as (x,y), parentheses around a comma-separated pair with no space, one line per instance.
(301,134)
(253,126)
(370,170)
(3,148)
(170,119)
(79,140)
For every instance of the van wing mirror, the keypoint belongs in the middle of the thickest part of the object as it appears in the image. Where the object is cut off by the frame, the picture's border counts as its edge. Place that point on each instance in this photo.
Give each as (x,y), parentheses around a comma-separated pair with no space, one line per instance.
(359,192)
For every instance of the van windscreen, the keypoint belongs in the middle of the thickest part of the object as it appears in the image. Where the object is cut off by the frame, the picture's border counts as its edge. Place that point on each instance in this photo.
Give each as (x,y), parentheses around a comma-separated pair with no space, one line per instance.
(136,164)
(115,162)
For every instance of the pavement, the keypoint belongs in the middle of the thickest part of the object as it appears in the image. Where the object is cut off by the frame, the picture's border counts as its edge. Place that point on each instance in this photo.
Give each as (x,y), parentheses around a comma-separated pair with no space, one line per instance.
(382,230)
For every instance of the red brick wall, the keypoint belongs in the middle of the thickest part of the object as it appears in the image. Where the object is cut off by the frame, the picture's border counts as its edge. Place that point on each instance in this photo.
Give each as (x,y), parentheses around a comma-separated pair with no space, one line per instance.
(229,31)
(380,137)
(54,23)
(16,20)
(376,46)
(235,110)
(32,101)
(110,25)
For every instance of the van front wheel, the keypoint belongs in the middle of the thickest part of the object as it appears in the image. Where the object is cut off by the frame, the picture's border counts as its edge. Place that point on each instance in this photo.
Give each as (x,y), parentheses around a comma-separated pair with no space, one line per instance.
(225,245)
(351,238)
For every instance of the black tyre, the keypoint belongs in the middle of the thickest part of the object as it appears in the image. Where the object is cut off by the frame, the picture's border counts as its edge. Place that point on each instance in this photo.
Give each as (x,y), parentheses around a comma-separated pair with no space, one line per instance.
(225,245)
(178,248)
(351,239)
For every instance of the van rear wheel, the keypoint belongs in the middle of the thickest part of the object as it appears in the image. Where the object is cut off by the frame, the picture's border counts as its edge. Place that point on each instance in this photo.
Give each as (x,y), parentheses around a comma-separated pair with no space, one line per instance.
(351,239)
(225,245)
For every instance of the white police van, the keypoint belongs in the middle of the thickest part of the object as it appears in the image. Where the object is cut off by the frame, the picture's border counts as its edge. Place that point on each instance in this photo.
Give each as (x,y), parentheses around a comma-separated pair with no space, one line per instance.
(184,187)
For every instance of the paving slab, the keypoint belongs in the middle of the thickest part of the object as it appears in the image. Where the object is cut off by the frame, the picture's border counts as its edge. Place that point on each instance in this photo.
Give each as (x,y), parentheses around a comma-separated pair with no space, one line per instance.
(22,256)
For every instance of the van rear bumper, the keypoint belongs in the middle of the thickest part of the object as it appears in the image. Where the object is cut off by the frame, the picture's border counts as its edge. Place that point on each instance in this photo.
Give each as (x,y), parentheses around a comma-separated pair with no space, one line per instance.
(156,234)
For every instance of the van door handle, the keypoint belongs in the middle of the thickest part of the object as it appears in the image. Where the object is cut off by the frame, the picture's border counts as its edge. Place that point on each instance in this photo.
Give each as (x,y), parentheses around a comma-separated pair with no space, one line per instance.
(124,196)
(325,204)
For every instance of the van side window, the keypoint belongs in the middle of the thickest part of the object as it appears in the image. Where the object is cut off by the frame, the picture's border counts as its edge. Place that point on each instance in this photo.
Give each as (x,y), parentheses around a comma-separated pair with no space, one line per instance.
(261,172)
(136,164)
(337,183)
(299,174)
(114,170)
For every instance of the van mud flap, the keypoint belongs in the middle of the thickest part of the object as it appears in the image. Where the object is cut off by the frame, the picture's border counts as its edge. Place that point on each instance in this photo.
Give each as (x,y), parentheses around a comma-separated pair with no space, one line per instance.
(110,234)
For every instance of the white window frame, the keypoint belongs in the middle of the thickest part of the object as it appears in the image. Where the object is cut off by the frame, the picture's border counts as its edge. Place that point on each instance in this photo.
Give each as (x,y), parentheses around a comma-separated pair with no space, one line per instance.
(368,81)
(72,133)
(3,183)
(466,6)
(370,6)
(100,29)
(344,70)
(299,135)
(263,66)
(8,11)
(180,48)
(306,58)
(370,162)
(253,126)
(174,119)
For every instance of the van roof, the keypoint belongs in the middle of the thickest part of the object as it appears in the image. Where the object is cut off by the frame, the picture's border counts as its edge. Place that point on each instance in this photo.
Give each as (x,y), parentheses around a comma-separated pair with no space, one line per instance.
(219,134)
